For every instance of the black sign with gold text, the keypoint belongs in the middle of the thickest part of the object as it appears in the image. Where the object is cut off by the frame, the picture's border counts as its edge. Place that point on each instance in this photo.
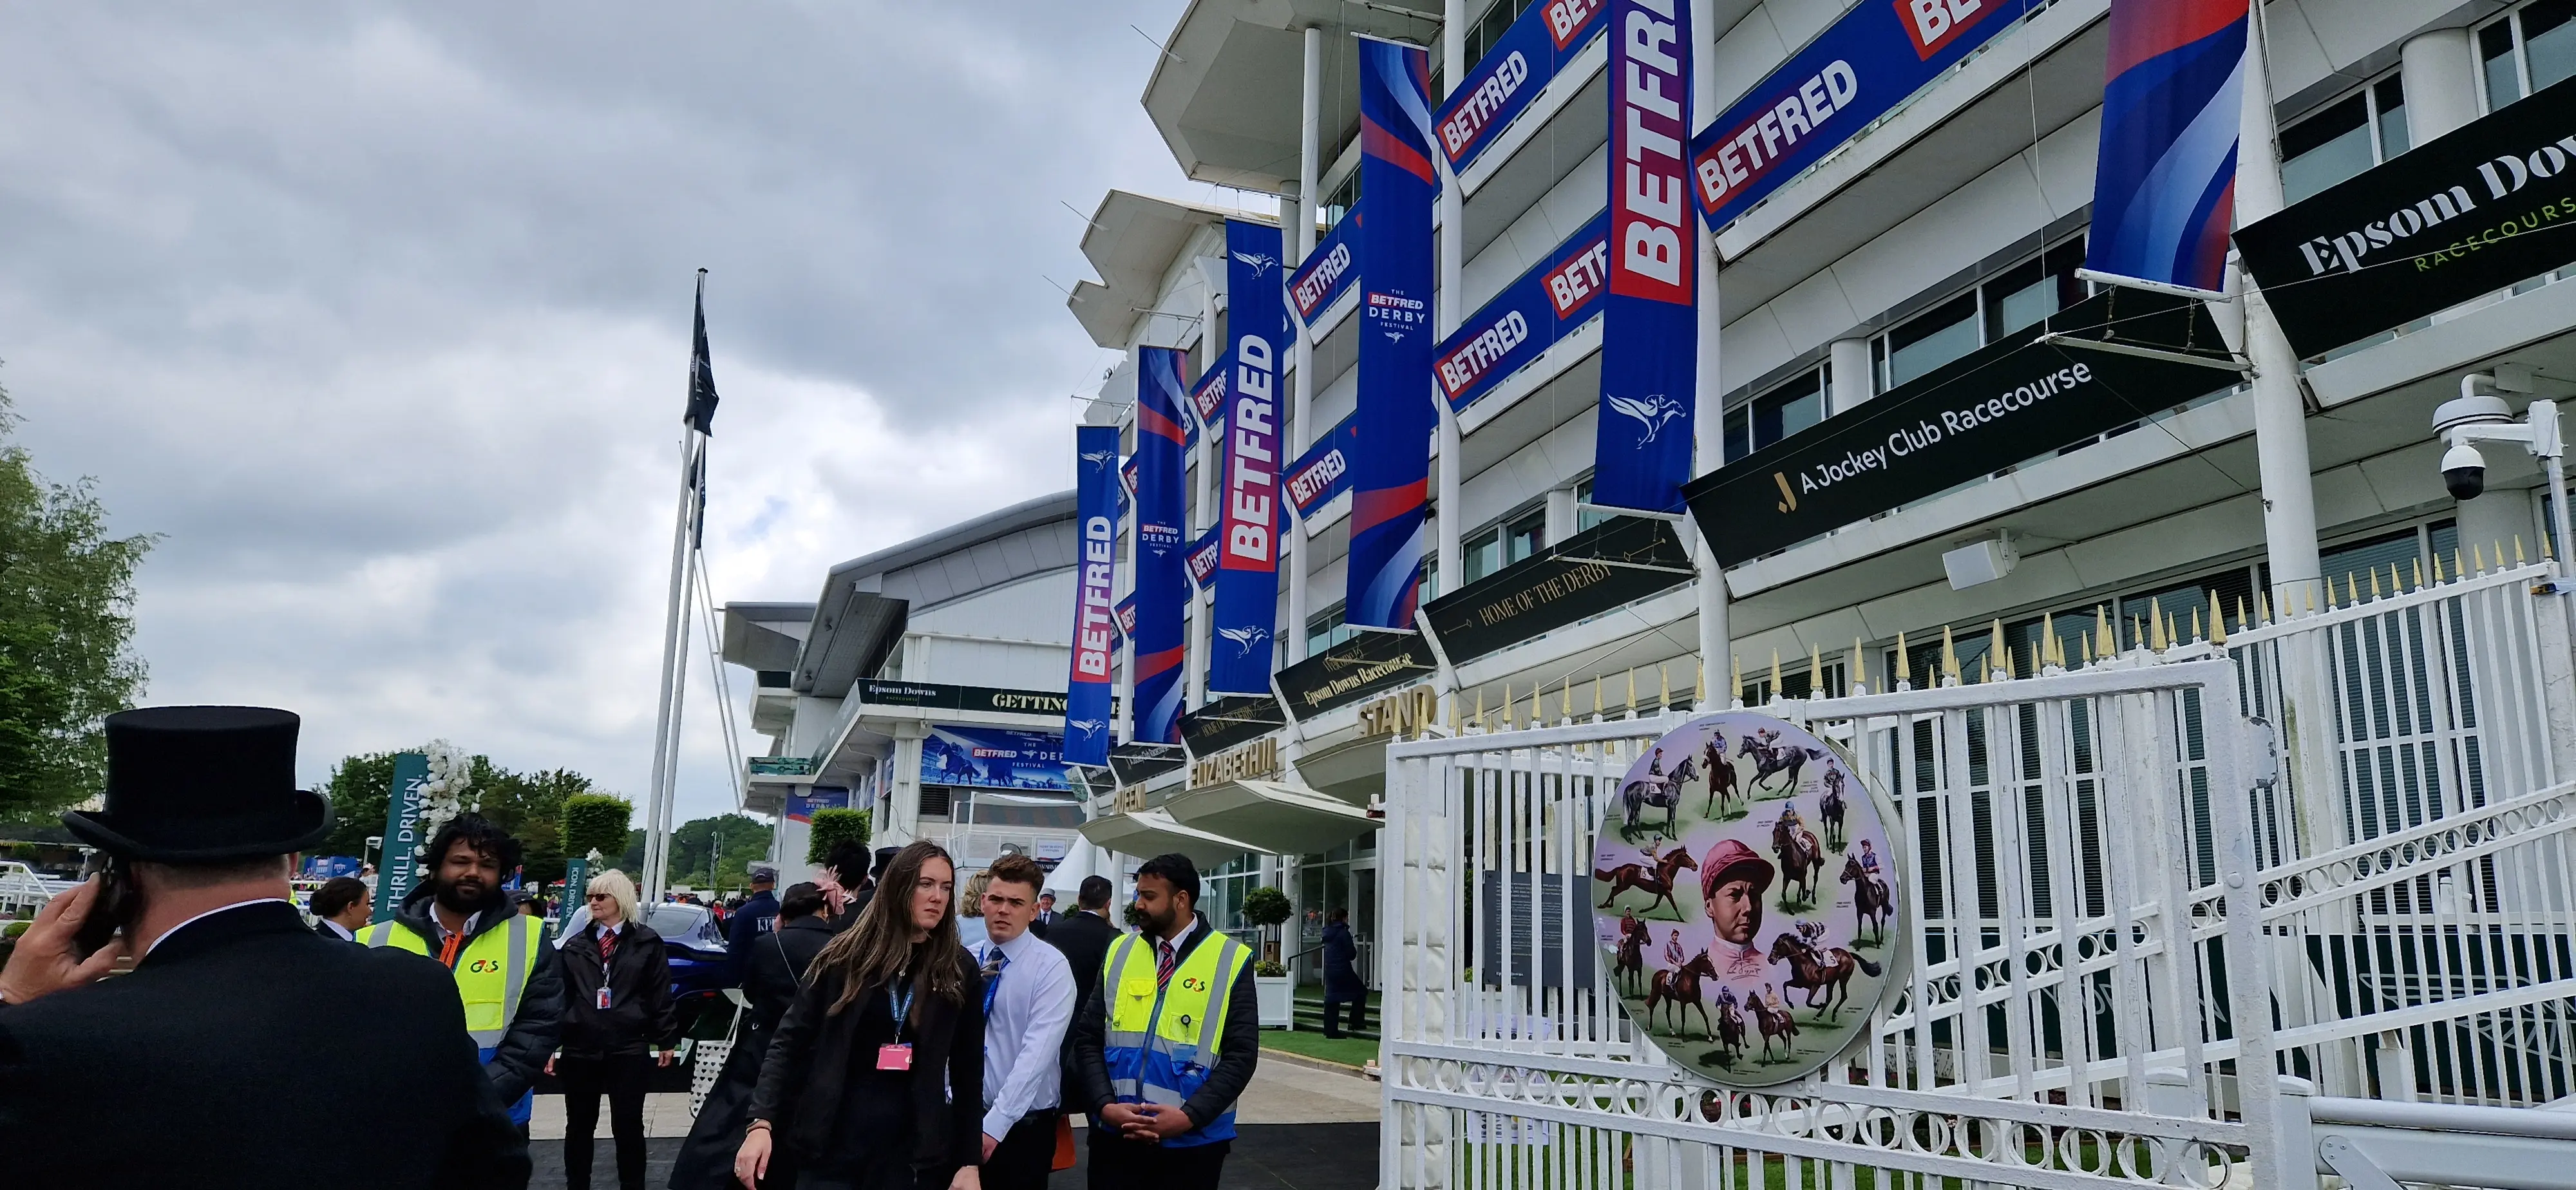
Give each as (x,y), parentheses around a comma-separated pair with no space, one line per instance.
(946,697)
(2001,404)
(1229,721)
(1353,670)
(1619,561)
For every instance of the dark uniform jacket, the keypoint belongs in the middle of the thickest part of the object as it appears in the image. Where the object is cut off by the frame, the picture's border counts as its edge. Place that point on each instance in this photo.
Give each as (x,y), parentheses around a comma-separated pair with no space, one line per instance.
(1238,1047)
(773,969)
(638,976)
(244,1051)
(1084,938)
(813,1052)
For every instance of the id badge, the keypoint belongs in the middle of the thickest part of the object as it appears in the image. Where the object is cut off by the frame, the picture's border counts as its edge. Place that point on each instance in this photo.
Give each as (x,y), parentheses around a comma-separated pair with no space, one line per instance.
(894,1057)
(603,999)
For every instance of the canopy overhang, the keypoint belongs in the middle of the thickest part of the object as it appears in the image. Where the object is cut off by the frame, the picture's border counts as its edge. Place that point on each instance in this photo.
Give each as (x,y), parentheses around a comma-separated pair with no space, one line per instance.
(1272,816)
(1154,832)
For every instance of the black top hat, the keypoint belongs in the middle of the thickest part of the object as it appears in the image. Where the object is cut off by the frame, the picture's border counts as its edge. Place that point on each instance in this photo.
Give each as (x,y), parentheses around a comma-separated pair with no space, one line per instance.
(202,785)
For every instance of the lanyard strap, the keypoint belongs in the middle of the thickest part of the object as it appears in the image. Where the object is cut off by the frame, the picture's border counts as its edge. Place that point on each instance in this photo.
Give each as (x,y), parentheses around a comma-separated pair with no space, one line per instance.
(901,1001)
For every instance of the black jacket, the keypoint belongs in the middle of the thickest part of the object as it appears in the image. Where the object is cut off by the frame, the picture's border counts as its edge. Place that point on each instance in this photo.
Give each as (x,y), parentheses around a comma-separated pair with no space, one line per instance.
(324,930)
(1341,956)
(246,1052)
(749,924)
(774,968)
(638,1015)
(1238,1048)
(810,1059)
(1084,938)
(537,1025)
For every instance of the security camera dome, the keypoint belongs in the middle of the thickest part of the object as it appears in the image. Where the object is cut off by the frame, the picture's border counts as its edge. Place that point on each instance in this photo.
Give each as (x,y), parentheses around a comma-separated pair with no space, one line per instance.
(2460,411)
(2464,472)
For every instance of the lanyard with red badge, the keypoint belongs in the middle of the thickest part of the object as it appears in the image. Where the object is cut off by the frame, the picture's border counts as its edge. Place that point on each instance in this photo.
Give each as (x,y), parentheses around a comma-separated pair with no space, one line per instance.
(607,947)
(897,1054)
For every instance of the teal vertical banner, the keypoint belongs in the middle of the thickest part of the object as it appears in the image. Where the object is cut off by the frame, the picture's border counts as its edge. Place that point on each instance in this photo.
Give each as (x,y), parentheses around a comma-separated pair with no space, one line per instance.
(576,883)
(397,868)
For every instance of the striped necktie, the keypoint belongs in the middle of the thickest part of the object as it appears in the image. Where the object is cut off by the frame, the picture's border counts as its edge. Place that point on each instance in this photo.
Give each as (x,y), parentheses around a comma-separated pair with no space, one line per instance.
(1163,965)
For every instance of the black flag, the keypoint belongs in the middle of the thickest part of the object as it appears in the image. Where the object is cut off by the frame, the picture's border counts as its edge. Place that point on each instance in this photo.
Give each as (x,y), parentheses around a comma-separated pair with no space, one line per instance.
(702,374)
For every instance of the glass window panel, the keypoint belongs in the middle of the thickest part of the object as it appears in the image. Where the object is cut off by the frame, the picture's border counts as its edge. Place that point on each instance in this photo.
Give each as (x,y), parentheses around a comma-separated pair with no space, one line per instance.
(2549,40)
(1326,630)
(2348,565)
(1585,518)
(1525,537)
(1484,556)
(2018,298)
(1785,410)
(2495,52)
(2394,136)
(1739,432)
(1931,339)
(2325,148)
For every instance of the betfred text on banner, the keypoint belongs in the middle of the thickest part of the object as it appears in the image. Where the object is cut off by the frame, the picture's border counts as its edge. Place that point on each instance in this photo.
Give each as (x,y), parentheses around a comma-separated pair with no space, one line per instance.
(1391,464)
(1095,630)
(1207,401)
(1247,563)
(1877,56)
(1329,272)
(1547,303)
(1162,580)
(2164,186)
(1324,471)
(1649,329)
(1522,62)
(1202,556)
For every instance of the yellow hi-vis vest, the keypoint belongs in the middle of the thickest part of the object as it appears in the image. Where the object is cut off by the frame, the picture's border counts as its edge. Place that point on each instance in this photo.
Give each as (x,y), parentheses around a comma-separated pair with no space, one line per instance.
(1162,1040)
(492,970)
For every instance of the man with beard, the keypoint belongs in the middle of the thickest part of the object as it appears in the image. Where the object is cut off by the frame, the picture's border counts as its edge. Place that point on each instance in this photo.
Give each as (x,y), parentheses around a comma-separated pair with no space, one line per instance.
(513,998)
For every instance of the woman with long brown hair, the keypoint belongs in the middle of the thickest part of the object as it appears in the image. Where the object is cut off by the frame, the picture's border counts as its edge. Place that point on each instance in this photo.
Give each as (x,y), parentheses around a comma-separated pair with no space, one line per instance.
(875,1079)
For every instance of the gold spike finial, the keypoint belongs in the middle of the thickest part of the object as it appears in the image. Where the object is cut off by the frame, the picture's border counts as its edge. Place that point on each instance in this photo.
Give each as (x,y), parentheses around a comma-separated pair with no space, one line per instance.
(1664,674)
(2156,638)
(2419,573)
(2374,584)
(1735,688)
(2196,632)
(2477,558)
(2050,652)
(1565,698)
(2457,571)
(1859,670)
(1480,708)
(2102,638)
(2217,620)
(1632,688)
(1815,672)
(1775,675)
(2085,641)
(1699,681)
(1596,696)
(1949,658)
(1904,665)
(2517,549)
(2498,550)
(1998,654)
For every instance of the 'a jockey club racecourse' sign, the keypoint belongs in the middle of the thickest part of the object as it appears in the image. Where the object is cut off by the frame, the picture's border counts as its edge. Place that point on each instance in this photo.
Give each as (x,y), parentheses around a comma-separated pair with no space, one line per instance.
(1747,899)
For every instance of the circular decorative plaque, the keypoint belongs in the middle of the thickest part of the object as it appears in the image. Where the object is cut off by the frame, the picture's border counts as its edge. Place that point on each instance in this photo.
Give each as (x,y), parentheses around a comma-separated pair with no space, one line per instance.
(1750,921)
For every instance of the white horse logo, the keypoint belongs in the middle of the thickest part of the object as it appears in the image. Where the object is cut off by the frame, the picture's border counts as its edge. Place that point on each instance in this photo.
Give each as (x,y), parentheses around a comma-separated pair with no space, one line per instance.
(1086,726)
(1244,638)
(1100,458)
(1651,412)
(1261,262)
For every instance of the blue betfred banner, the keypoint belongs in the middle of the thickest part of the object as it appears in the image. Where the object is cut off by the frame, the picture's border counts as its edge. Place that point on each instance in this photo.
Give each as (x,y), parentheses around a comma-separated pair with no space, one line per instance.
(1247,574)
(1324,471)
(1520,65)
(995,758)
(1649,326)
(1095,619)
(2164,187)
(1207,401)
(1550,301)
(1877,56)
(1202,557)
(1162,581)
(1391,464)
(1328,273)
(1127,618)
(800,807)
(331,867)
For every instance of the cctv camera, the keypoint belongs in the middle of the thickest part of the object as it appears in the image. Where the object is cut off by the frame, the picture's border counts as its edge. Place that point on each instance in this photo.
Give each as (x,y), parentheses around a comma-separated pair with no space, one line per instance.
(2464,472)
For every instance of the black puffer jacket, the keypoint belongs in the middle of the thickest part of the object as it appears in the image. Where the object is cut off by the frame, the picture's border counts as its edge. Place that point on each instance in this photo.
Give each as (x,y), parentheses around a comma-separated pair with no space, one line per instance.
(638,1016)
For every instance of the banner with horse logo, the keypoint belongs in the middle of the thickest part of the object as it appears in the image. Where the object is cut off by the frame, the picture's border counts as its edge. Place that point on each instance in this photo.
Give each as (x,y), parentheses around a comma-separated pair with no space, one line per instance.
(1745,893)
(1649,322)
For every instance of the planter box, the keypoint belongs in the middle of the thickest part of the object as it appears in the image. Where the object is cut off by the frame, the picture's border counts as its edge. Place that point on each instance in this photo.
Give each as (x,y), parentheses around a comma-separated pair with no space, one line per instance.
(1278,1001)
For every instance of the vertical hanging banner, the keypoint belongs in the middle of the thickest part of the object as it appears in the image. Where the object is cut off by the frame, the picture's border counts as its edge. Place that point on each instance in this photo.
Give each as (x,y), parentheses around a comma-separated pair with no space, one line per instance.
(1390,477)
(1649,331)
(1247,574)
(1327,274)
(1095,634)
(397,868)
(2164,187)
(1162,582)
(1520,64)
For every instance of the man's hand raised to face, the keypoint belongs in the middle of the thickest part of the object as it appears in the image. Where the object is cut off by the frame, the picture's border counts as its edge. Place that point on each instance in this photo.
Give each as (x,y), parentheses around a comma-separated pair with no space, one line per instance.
(44,962)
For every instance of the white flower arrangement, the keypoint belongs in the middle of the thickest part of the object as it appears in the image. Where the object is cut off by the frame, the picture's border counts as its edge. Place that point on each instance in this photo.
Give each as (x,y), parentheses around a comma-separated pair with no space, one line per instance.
(443,796)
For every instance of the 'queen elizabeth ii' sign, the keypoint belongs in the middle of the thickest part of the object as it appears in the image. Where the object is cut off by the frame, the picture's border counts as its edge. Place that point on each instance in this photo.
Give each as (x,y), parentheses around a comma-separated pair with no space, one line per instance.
(1746,896)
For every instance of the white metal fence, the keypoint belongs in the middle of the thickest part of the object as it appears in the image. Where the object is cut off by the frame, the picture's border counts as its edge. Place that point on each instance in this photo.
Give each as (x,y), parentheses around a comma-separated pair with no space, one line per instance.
(2124,931)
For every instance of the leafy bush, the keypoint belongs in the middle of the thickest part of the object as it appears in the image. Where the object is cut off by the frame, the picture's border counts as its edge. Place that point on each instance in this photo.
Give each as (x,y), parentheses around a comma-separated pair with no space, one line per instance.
(1267,969)
(832,828)
(13,929)
(1265,906)
(595,822)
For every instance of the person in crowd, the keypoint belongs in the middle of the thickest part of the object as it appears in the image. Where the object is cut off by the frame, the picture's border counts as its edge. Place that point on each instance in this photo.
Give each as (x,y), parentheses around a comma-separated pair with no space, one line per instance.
(844,881)
(340,908)
(970,911)
(1161,1098)
(1028,1004)
(512,989)
(771,972)
(616,1016)
(1342,975)
(875,1077)
(1085,933)
(215,1062)
(753,921)
(1046,916)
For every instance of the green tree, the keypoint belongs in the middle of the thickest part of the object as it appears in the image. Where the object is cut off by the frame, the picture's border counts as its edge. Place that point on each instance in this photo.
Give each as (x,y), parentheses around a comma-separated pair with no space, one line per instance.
(531,807)
(66,624)
(595,822)
(717,852)
(833,827)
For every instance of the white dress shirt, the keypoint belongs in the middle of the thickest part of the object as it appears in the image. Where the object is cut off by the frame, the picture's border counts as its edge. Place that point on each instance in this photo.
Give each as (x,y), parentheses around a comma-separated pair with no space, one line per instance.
(344,932)
(1024,1036)
(165,934)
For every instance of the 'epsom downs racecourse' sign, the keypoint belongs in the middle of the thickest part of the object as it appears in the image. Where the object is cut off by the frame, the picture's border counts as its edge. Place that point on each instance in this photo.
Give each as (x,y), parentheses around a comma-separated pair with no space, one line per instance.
(2478,209)
(2009,401)
(1353,670)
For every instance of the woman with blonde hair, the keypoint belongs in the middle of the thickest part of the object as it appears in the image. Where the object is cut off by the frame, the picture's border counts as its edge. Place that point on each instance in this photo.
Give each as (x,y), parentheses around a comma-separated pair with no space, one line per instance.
(617,1008)
(875,1078)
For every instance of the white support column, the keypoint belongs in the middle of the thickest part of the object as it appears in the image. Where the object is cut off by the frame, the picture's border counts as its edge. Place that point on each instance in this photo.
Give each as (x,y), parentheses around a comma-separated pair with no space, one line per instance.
(2280,411)
(1300,243)
(903,800)
(1709,396)
(1453,248)
(1849,378)
(2439,71)
(1560,515)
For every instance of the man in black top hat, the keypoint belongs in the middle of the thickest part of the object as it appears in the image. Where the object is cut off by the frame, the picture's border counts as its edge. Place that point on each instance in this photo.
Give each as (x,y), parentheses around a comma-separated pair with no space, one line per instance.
(243,1050)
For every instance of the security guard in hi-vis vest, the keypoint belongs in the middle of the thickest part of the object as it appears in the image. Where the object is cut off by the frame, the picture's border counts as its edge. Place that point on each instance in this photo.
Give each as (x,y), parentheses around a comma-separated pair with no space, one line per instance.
(513,995)
(1161,1054)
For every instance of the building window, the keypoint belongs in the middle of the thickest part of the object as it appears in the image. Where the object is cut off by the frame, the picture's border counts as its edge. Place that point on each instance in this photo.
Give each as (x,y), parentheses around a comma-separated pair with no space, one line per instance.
(1929,340)
(1485,30)
(1793,405)
(1326,630)
(1585,518)
(2033,289)
(1339,200)
(2350,135)
(2528,49)
(2001,304)
(1518,537)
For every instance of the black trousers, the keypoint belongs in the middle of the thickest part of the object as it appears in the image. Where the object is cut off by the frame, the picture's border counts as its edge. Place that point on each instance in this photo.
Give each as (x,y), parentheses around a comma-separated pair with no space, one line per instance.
(1025,1157)
(1333,1015)
(1124,1164)
(622,1078)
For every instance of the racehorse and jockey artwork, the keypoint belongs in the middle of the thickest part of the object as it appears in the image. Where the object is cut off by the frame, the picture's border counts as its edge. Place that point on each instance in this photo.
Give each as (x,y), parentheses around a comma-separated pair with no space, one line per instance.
(1745,890)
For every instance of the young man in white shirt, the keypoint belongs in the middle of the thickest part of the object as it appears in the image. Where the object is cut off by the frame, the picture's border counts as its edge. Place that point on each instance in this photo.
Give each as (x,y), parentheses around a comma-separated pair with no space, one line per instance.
(1028,1003)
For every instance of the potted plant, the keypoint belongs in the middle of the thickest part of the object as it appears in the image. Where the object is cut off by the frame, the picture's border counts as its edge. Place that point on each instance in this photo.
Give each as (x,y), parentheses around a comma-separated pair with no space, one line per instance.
(1266,907)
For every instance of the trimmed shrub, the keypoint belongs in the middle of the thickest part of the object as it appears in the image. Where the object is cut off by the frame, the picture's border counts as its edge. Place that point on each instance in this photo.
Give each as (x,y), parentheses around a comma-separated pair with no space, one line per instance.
(595,822)
(831,828)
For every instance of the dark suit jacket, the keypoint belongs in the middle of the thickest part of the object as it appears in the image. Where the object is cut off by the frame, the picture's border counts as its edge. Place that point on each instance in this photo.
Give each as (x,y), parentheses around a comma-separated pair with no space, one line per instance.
(1084,938)
(1238,1048)
(324,930)
(246,1052)
(811,1056)
(773,970)
(638,1015)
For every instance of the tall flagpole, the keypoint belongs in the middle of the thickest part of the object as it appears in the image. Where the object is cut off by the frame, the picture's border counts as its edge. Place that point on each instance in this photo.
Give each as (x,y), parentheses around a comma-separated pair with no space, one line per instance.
(666,726)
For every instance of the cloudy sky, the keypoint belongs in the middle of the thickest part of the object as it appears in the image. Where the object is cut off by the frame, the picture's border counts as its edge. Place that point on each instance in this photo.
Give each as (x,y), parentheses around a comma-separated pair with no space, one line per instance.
(379,314)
